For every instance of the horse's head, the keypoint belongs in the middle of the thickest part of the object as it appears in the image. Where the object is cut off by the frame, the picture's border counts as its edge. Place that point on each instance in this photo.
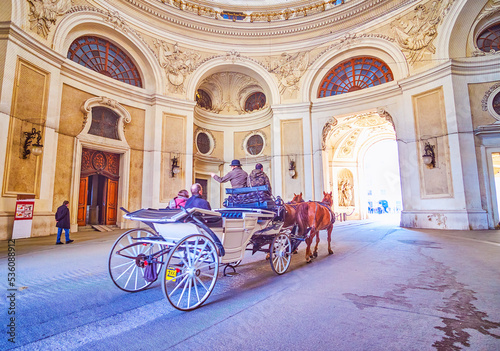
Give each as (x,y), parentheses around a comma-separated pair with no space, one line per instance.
(327,198)
(297,198)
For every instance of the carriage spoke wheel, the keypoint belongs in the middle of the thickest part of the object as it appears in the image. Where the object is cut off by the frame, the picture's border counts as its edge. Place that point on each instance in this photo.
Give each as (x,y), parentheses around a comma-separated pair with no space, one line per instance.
(190,272)
(127,257)
(280,253)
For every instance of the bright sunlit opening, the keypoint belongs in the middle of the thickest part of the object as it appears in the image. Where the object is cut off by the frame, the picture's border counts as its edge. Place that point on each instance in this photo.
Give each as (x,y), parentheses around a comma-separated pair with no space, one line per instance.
(382,181)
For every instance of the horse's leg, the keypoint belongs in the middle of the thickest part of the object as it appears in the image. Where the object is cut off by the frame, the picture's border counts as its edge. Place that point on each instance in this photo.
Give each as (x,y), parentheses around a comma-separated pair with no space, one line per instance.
(315,254)
(329,239)
(308,249)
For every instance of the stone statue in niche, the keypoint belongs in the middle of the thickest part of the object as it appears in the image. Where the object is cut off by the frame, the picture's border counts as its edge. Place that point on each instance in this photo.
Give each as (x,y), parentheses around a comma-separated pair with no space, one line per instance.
(289,69)
(43,14)
(345,192)
(416,35)
(177,64)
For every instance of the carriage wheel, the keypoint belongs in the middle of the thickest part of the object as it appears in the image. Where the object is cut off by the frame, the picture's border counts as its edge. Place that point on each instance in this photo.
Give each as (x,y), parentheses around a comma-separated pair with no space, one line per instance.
(280,253)
(126,260)
(190,272)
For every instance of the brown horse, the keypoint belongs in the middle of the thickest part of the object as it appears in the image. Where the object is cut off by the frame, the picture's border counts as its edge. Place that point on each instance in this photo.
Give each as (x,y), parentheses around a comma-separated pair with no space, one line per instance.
(297,198)
(316,216)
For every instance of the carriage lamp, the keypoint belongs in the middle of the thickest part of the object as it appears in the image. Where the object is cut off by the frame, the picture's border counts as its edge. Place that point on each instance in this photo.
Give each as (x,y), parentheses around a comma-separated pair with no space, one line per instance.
(176,169)
(36,148)
(429,156)
(291,169)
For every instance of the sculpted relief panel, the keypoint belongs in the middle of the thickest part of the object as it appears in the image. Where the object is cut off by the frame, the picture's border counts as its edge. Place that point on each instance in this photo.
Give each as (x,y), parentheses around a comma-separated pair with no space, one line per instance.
(43,14)
(178,64)
(416,32)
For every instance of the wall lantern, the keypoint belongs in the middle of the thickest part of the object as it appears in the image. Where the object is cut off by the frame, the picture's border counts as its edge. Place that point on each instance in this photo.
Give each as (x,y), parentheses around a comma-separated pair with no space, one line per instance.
(176,169)
(292,169)
(37,148)
(429,156)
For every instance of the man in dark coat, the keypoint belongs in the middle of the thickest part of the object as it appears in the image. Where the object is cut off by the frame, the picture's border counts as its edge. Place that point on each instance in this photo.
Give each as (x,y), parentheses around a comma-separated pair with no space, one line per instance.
(236,176)
(62,219)
(257,177)
(196,200)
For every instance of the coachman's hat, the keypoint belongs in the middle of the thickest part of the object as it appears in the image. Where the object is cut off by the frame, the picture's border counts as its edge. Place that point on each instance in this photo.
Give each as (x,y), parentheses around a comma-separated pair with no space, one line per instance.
(236,163)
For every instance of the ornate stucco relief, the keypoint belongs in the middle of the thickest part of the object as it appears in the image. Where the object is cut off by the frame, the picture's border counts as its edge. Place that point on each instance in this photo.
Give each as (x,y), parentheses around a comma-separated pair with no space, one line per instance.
(484,101)
(178,64)
(416,32)
(327,130)
(43,14)
(289,68)
(229,91)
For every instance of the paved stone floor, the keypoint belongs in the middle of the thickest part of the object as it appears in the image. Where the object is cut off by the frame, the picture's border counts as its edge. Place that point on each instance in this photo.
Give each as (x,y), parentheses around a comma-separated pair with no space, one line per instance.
(384,288)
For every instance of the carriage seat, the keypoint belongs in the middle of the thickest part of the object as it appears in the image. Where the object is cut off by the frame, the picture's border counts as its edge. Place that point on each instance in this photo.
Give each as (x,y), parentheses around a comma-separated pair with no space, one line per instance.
(249,197)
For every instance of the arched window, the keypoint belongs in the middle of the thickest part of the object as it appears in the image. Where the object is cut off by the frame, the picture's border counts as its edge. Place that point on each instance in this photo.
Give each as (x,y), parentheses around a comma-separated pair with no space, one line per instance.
(203,99)
(355,74)
(255,101)
(489,39)
(106,58)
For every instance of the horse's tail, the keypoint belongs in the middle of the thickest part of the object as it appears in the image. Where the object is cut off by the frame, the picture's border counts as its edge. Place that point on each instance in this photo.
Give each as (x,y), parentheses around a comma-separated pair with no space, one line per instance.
(302,217)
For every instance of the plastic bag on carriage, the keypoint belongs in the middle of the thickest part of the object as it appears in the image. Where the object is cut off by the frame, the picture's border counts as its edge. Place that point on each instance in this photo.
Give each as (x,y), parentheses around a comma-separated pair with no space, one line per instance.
(150,272)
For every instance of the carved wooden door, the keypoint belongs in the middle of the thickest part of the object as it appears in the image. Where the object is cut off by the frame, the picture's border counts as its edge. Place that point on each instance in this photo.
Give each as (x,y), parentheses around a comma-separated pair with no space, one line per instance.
(82,201)
(111,201)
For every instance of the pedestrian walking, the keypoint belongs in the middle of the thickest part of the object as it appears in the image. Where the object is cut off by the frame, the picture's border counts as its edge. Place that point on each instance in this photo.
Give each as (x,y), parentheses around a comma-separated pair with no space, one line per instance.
(62,219)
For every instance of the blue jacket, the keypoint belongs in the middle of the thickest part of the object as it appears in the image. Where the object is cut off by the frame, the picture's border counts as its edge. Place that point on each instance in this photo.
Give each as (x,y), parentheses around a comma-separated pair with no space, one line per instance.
(197,201)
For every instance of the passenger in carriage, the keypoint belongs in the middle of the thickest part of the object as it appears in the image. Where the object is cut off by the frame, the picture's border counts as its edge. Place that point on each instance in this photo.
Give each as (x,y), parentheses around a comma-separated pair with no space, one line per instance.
(196,200)
(237,176)
(257,177)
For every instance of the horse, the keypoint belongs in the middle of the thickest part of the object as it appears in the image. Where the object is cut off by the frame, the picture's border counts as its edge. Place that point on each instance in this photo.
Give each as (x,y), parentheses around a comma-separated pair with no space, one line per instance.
(316,216)
(297,198)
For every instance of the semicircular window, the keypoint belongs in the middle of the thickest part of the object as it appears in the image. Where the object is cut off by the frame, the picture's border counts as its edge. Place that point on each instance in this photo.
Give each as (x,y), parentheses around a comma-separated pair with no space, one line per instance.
(203,99)
(255,144)
(106,58)
(355,74)
(256,101)
(489,39)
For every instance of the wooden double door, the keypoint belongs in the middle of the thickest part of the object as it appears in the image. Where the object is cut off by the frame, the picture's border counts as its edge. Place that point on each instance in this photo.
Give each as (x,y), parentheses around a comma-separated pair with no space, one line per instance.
(99,179)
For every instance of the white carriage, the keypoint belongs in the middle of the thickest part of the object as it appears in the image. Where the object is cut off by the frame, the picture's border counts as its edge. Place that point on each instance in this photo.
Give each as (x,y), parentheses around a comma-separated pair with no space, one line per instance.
(185,249)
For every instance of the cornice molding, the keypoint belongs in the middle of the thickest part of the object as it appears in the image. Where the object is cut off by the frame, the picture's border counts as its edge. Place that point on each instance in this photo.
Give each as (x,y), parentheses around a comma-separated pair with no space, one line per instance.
(361,11)
(10,31)
(428,76)
(358,98)
(211,120)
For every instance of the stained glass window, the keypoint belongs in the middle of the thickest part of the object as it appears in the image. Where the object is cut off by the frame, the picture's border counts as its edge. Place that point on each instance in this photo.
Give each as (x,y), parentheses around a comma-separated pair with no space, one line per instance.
(203,99)
(106,58)
(489,39)
(255,101)
(255,144)
(104,123)
(355,74)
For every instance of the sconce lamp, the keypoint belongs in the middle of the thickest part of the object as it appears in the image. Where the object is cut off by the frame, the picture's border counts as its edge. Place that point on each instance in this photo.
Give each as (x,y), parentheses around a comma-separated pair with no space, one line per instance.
(291,170)
(429,156)
(37,148)
(176,169)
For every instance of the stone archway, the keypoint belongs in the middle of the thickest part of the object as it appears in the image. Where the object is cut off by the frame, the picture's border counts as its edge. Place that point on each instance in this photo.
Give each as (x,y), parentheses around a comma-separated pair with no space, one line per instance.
(345,141)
